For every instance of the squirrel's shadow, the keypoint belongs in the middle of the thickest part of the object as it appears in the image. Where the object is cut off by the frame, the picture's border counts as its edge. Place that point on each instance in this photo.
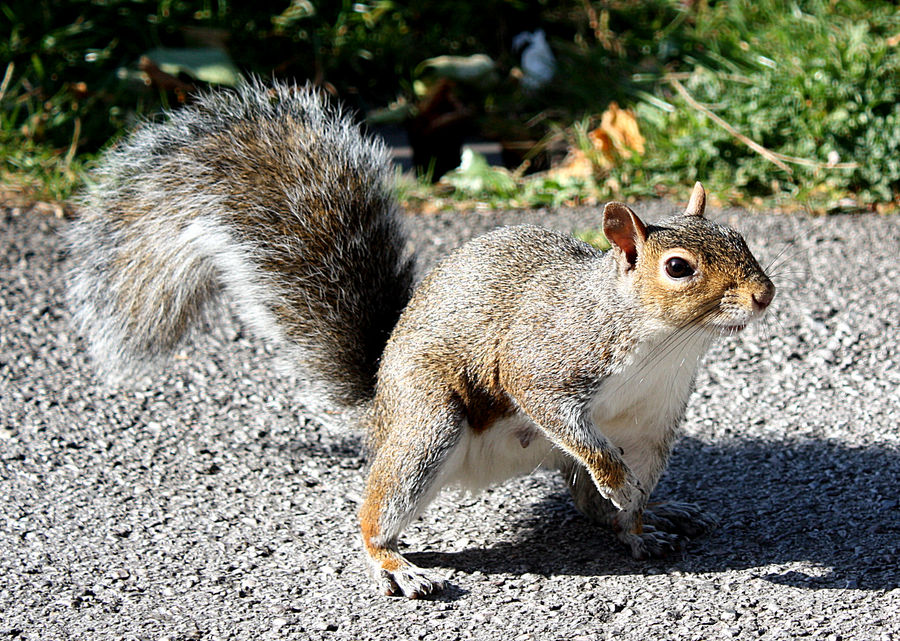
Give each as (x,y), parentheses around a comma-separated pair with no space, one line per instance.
(830,507)
(833,508)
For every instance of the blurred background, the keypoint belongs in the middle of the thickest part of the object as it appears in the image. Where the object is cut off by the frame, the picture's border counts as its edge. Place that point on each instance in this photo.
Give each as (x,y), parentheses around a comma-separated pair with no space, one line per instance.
(790,105)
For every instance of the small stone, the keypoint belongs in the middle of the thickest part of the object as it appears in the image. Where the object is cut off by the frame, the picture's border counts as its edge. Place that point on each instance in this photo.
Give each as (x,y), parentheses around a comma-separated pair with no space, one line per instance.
(246,586)
(119,574)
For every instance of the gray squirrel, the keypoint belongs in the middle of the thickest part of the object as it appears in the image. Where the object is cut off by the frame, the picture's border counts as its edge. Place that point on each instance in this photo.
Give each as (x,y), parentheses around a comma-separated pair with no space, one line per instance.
(523,348)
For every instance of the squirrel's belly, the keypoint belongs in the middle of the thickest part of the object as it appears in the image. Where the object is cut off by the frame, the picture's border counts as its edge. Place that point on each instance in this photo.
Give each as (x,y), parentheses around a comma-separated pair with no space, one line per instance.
(512,446)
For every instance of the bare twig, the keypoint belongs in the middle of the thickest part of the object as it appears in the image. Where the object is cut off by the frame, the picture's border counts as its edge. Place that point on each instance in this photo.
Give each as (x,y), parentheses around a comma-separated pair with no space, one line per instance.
(7,77)
(772,156)
(73,147)
(600,26)
(593,20)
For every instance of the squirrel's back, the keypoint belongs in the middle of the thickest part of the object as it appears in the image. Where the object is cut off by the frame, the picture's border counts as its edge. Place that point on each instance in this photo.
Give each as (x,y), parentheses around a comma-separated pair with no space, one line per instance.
(270,195)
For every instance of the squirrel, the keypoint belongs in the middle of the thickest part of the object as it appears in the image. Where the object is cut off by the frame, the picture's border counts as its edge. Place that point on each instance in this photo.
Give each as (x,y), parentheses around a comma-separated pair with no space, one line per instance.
(523,348)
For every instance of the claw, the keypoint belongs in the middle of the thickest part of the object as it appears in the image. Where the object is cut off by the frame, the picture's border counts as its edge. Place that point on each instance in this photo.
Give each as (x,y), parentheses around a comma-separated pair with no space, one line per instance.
(410,581)
(653,544)
(685,519)
(666,528)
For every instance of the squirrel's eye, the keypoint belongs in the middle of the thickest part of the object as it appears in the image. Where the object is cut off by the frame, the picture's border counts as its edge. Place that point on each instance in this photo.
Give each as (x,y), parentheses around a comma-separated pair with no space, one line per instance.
(677,267)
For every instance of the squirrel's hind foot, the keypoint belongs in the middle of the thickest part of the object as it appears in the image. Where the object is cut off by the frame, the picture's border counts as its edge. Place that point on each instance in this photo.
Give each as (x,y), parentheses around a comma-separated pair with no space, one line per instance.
(412,582)
(664,529)
(398,577)
(675,517)
(652,543)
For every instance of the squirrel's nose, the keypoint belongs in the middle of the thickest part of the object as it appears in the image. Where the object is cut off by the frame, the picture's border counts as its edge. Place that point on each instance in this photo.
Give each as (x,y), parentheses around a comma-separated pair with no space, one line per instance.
(764,296)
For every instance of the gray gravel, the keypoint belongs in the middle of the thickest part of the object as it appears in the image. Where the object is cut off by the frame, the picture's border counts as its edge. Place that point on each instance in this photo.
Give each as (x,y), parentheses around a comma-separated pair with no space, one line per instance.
(202,504)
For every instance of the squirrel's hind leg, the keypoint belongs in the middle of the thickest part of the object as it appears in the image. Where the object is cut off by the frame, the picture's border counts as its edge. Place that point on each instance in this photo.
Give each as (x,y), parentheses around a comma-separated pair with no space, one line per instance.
(637,531)
(409,469)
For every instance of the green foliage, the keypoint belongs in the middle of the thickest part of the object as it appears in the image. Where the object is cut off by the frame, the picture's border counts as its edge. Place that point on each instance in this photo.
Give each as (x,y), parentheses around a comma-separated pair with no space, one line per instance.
(63,97)
(73,81)
(38,170)
(63,57)
(594,237)
(815,80)
(369,50)
(477,184)
(476,178)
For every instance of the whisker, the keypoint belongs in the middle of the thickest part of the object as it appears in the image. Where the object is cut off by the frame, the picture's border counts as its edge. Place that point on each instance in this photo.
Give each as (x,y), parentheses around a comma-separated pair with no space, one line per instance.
(763,329)
(671,382)
(799,235)
(778,256)
(791,268)
(659,351)
(783,258)
(770,328)
(772,316)
(790,263)
(801,273)
(798,281)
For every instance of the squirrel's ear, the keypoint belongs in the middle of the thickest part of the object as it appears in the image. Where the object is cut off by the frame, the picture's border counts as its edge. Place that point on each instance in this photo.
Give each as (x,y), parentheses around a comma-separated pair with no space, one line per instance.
(624,229)
(697,204)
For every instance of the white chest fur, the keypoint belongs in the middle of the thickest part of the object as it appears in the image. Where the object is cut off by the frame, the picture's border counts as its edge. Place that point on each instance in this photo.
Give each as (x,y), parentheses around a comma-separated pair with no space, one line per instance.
(638,408)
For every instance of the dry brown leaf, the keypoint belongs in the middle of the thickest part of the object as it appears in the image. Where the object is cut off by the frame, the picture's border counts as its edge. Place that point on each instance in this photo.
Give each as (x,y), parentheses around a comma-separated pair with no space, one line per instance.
(621,126)
(575,165)
(617,137)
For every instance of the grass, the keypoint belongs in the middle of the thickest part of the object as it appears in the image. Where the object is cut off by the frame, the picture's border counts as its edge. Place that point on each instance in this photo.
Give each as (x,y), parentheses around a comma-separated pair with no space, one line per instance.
(36,172)
(769,103)
(815,85)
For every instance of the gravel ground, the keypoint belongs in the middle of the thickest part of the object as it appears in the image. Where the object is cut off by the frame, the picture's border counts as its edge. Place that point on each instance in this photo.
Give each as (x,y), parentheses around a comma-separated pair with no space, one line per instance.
(202,504)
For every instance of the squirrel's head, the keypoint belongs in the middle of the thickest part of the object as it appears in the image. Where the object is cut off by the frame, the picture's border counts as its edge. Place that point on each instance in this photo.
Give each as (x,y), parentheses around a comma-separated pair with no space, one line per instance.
(688,271)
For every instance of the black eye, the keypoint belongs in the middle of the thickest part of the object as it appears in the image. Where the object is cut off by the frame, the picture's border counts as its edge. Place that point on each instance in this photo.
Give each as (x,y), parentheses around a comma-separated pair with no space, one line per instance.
(677,267)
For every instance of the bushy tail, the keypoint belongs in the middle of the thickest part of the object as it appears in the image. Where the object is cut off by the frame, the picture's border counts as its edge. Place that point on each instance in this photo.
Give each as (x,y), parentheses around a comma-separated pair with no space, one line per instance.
(270,196)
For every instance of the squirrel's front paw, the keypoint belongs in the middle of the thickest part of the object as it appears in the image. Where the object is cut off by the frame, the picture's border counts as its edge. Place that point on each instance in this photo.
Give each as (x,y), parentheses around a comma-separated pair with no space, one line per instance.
(629,497)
